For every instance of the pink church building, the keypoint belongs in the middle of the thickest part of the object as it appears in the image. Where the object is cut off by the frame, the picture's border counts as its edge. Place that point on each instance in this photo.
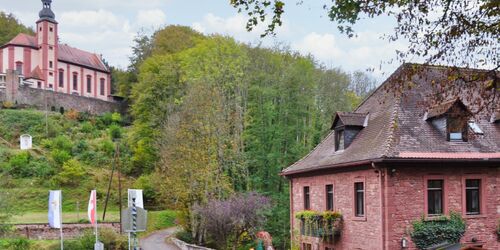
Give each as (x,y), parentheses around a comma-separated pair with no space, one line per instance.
(44,63)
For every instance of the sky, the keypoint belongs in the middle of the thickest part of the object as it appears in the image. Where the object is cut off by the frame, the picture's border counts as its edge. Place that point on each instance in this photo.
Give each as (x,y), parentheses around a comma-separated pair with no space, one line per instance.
(108,27)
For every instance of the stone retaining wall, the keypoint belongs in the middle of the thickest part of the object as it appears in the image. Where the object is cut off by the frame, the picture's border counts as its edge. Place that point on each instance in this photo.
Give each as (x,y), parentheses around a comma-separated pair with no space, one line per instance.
(70,230)
(25,96)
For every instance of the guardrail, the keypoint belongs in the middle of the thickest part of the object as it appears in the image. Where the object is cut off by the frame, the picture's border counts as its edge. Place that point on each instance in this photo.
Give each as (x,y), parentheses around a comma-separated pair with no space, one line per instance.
(185,246)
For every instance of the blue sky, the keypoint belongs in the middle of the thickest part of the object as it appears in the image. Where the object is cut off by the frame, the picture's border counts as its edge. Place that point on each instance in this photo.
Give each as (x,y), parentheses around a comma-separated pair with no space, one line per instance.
(108,27)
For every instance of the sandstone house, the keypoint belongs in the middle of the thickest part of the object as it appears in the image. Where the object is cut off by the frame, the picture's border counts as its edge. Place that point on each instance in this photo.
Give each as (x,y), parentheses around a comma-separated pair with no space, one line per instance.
(425,144)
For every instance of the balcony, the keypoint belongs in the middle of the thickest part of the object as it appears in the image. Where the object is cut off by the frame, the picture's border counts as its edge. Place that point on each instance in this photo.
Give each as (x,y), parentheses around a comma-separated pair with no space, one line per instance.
(326,225)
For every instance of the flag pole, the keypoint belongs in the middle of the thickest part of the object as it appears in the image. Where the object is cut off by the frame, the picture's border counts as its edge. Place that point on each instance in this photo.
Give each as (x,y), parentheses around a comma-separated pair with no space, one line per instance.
(61,219)
(95,216)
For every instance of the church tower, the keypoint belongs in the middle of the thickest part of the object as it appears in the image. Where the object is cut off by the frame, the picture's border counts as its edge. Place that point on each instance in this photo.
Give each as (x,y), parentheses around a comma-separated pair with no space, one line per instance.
(47,39)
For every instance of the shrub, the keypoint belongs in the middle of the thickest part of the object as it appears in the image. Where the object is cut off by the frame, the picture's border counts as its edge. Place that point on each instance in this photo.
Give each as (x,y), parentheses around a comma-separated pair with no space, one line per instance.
(116,118)
(431,232)
(62,143)
(19,244)
(71,175)
(80,147)
(107,146)
(60,156)
(18,165)
(115,131)
(7,105)
(72,114)
(226,221)
(87,127)
(185,236)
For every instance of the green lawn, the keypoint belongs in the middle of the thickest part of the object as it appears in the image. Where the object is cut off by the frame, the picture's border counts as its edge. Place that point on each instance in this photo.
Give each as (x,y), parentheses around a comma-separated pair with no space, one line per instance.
(68,217)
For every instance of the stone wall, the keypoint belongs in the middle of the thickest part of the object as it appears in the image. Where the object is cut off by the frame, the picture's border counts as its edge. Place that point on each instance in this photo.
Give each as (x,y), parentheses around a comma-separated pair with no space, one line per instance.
(70,230)
(25,96)
(357,232)
(394,198)
(406,200)
(54,101)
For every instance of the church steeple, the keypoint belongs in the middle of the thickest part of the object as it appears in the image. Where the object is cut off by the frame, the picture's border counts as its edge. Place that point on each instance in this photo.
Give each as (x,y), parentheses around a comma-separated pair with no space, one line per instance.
(46,13)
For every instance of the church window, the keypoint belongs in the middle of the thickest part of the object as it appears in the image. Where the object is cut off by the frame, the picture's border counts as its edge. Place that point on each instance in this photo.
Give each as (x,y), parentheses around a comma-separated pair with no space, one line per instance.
(103,84)
(61,78)
(50,64)
(39,84)
(19,68)
(75,81)
(89,84)
(51,29)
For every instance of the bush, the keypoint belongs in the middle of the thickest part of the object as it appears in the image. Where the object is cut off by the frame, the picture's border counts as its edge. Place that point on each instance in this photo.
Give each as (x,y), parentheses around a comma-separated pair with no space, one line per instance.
(110,239)
(72,114)
(71,175)
(115,131)
(80,147)
(62,143)
(185,236)
(18,244)
(431,232)
(17,165)
(60,156)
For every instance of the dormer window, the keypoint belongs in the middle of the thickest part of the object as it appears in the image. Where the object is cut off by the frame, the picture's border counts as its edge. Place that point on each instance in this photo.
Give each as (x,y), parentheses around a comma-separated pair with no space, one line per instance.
(348,123)
(339,139)
(456,128)
(451,118)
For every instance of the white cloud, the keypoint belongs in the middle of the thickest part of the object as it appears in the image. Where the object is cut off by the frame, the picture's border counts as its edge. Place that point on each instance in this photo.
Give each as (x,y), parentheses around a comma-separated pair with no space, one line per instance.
(321,46)
(235,26)
(151,18)
(90,19)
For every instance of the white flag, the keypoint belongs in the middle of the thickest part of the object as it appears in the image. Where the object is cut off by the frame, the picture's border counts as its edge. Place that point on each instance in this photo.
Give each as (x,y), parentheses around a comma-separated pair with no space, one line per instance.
(55,199)
(92,210)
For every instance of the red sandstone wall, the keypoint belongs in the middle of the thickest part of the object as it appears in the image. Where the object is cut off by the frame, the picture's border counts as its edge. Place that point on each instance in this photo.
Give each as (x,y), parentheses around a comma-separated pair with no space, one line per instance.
(356,234)
(406,194)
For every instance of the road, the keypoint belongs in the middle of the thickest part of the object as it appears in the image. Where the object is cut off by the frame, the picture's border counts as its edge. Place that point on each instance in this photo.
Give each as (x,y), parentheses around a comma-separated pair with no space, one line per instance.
(156,240)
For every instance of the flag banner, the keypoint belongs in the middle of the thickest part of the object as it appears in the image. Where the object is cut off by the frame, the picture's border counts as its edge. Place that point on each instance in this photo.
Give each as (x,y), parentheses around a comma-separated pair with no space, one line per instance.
(92,211)
(55,199)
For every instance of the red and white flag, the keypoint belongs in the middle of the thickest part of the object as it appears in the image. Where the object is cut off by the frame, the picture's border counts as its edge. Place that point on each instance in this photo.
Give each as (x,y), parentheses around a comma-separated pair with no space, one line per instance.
(92,211)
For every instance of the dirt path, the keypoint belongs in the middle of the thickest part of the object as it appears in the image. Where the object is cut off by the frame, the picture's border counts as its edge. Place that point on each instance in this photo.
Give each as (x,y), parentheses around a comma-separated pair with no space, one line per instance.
(156,240)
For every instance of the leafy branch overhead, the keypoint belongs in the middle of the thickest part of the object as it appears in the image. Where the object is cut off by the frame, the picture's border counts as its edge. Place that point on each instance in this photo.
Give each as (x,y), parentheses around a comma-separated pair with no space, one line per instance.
(438,30)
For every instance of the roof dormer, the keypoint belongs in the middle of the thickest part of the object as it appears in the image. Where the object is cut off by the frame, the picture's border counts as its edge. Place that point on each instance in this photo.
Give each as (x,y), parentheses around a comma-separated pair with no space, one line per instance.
(495,118)
(347,125)
(451,118)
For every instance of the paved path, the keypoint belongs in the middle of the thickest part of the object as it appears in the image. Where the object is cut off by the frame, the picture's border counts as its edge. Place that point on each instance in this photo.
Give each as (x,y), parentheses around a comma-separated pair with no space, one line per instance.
(156,240)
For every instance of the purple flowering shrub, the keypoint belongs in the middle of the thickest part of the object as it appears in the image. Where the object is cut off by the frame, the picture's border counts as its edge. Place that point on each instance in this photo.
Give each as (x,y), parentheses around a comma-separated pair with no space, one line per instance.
(225,221)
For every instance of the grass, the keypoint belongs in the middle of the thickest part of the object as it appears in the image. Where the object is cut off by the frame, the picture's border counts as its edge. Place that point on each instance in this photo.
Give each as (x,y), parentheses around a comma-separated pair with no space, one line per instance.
(158,220)
(68,217)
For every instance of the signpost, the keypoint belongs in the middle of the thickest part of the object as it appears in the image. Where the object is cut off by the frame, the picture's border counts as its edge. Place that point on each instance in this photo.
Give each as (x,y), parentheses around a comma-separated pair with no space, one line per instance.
(134,218)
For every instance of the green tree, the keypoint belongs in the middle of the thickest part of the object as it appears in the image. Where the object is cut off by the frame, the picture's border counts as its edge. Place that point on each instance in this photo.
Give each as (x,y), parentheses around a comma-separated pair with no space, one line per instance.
(11,27)
(173,39)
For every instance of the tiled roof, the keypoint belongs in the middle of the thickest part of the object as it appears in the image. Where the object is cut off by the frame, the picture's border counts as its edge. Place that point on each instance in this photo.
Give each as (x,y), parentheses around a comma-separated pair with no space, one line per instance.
(66,53)
(441,108)
(396,124)
(350,118)
(77,56)
(35,74)
(437,155)
(24,40)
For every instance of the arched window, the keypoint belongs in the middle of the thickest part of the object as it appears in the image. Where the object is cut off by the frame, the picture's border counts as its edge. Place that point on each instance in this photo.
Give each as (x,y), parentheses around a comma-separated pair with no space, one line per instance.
(75,81)
(19,68)
(102,86)
(89,83)
(61,78)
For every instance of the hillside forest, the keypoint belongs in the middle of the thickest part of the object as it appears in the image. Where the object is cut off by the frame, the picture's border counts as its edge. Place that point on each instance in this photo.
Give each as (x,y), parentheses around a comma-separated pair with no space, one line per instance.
(209,118)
